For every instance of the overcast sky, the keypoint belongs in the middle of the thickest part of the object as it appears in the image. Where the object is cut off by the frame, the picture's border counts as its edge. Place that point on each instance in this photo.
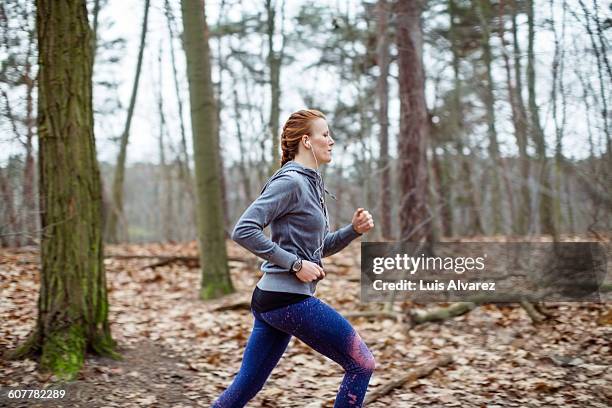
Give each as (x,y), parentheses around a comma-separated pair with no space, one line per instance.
(126,16)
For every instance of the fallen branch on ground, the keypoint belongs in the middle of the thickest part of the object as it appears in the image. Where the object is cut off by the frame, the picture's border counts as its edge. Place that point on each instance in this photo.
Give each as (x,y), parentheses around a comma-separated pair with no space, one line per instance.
(163,260)
(412,375)
(375,313)
(439,314)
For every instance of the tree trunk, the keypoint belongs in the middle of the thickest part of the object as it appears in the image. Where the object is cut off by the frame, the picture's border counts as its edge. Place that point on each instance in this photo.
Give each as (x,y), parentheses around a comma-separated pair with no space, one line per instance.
(601,58)
(468,196)
(117,228)
(8,214)
(244,173)
(226,220)
(519,121)
(72,306)
(558,86)
(545,192)
(187,198)
(484,14)
(383,118)
(166,202)
(94,30)
(414,219)
(443,190)
(213,255)
(274,65)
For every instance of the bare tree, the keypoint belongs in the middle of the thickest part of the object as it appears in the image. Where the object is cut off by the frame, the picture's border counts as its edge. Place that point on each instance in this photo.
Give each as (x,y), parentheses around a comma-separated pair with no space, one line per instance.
(116,231)
(545,191)
(414,218)
(275,61)
(72,305)
(213,254)
(383,118)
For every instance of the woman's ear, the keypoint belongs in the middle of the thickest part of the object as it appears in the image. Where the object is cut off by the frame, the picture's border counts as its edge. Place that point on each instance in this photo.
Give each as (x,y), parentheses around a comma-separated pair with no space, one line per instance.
(306,141)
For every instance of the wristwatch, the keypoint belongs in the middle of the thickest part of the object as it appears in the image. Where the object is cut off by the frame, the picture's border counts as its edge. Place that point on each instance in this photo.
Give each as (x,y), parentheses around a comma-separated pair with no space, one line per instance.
(297,266)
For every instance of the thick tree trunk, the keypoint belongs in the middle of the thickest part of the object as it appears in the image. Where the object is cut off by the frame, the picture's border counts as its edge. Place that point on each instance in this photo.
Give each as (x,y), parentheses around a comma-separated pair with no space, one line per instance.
(383,118)
(414,218)
(72,306)
(117,228)
(215,271)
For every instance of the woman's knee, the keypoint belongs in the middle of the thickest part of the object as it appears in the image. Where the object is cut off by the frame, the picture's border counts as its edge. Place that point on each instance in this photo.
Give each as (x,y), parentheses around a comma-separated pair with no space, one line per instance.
(361,354)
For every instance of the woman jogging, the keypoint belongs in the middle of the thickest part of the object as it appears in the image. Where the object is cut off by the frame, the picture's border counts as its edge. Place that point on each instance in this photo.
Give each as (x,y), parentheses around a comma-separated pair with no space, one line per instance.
(283,304)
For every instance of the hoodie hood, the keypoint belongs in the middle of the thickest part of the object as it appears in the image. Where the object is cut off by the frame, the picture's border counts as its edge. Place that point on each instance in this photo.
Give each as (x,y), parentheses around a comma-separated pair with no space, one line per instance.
(313,177)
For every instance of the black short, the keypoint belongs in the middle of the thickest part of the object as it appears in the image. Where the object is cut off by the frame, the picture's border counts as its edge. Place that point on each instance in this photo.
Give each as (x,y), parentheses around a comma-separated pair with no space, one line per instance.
(266,300)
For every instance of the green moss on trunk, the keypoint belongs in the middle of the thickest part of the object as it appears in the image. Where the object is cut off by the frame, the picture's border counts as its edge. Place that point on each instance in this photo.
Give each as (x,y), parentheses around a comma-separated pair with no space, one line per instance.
(213,290)
(63,352)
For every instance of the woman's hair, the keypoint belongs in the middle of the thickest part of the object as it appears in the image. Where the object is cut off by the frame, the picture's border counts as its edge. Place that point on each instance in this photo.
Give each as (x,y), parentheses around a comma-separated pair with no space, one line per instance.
(296,126)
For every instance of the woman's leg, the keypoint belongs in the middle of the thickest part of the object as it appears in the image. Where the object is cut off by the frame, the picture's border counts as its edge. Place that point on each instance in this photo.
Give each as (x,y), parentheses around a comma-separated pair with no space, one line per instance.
(264,348)
(325,330)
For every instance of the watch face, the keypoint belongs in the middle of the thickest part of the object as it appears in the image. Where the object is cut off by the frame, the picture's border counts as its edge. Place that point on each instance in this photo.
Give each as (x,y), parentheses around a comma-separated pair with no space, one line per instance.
(297,265)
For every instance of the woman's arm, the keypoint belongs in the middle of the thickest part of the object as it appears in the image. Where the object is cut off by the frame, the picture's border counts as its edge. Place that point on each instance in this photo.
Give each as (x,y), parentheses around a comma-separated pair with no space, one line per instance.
(338,240)
(362,222)
(277,199)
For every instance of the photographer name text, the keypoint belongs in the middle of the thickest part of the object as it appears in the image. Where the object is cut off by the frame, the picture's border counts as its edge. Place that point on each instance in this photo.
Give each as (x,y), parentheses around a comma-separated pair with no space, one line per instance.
(424,285)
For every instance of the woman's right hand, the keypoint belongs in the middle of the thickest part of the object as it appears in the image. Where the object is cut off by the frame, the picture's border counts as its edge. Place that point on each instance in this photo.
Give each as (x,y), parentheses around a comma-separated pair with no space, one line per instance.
(310,272)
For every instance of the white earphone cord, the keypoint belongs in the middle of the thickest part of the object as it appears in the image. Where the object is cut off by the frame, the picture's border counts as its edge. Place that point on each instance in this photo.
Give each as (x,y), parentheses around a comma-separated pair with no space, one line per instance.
(323,198)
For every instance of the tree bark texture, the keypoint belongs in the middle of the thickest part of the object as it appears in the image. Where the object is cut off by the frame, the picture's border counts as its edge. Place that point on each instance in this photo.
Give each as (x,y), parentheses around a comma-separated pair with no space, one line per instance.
(213,254)
(72,305)
(414,217)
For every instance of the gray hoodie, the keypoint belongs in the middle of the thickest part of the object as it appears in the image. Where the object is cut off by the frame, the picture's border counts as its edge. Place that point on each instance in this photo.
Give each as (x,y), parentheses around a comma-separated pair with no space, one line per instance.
(292,204)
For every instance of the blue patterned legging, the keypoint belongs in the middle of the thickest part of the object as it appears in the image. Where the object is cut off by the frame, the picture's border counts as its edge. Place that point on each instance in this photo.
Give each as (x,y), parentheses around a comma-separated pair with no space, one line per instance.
(319,326)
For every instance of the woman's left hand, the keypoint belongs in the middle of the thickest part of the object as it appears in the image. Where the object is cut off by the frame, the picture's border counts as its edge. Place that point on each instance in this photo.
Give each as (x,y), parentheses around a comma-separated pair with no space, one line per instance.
(362,221)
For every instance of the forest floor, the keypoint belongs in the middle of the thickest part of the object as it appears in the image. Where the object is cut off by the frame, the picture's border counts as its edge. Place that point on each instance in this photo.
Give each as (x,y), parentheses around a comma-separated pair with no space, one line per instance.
(179,351)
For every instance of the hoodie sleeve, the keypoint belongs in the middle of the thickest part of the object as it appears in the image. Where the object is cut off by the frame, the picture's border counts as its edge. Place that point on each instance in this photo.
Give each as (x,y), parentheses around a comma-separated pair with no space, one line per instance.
(338,240)
(277,199)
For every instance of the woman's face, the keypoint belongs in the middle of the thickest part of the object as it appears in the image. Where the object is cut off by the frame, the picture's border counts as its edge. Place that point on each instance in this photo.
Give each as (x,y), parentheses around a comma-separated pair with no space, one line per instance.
(321,141)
